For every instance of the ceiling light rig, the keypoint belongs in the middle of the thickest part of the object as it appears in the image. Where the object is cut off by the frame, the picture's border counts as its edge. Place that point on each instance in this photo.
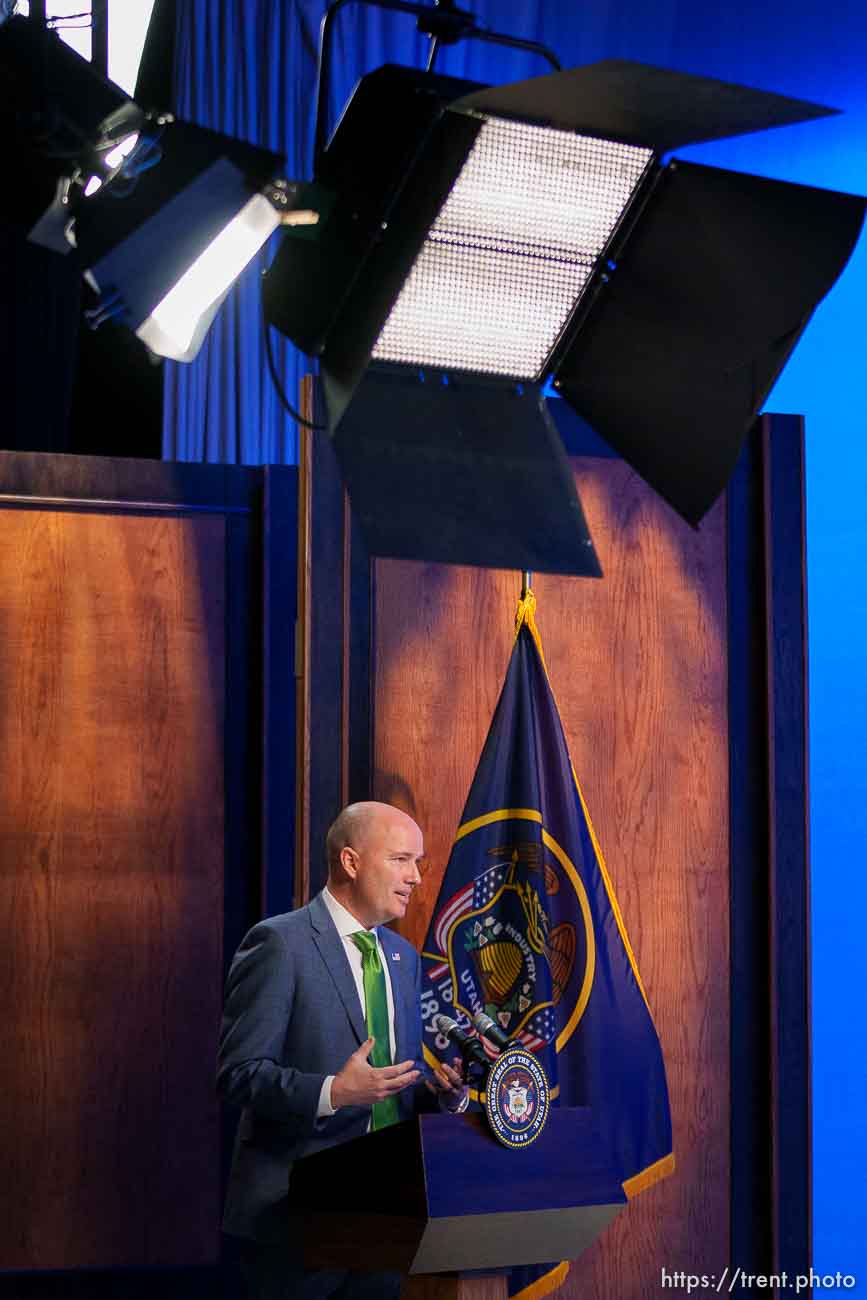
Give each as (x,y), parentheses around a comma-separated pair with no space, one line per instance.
(476,247)
(507,239)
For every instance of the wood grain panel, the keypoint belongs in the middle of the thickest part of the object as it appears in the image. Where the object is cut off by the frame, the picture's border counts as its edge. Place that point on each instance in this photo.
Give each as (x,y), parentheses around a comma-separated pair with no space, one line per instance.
(111,886)
(638,665)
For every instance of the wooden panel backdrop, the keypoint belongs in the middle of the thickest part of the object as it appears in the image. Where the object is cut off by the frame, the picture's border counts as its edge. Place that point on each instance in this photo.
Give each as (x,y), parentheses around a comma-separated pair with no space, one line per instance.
(111,884)
(146,747)
(638,666)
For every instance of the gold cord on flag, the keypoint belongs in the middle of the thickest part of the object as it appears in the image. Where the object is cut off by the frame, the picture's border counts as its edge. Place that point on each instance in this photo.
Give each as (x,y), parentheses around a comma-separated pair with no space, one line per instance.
(525,616)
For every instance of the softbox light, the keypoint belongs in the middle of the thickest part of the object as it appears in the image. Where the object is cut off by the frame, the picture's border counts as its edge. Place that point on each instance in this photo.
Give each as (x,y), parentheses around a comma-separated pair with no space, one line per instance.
(534,232)
(164,253)
(161,215)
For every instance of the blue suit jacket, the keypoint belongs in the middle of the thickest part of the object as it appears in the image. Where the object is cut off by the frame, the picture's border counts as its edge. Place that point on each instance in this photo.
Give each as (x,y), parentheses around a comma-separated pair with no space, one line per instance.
(292,1016)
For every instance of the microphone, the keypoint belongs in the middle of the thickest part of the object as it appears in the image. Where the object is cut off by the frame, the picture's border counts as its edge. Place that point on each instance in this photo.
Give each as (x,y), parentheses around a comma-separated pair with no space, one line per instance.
(469,1048)
(490,1030)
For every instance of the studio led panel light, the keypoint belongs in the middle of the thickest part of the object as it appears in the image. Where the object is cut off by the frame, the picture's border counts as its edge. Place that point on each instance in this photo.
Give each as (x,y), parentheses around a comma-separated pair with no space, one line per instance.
(515,244)
(537,233)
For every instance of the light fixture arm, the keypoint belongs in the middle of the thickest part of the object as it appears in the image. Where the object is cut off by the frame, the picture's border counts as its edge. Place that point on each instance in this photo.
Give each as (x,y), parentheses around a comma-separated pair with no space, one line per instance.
(494,38)
(443,23)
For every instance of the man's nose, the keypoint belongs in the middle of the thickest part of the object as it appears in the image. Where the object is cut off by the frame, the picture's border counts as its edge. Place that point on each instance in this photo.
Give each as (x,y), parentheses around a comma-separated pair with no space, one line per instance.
(415,874)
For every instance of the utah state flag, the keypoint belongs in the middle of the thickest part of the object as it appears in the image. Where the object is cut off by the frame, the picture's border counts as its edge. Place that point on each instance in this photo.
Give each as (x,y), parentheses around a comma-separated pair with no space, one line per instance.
(527,929)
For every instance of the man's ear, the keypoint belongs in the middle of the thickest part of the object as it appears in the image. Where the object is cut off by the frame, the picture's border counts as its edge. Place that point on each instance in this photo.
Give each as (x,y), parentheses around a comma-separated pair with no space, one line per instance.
(349,861)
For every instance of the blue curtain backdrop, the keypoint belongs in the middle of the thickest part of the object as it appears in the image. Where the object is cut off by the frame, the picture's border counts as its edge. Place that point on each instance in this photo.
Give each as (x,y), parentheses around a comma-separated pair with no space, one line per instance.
(247,67)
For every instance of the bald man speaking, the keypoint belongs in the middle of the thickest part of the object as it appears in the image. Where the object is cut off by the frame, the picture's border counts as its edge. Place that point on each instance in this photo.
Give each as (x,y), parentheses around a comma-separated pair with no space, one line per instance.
(321,1042)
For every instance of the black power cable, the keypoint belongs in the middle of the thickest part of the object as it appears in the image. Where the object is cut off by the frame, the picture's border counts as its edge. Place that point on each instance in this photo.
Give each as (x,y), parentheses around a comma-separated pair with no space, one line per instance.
(275,378)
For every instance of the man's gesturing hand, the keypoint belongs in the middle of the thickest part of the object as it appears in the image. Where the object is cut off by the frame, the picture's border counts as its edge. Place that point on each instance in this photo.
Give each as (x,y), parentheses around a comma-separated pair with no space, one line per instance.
(448,1083)
(361,1084)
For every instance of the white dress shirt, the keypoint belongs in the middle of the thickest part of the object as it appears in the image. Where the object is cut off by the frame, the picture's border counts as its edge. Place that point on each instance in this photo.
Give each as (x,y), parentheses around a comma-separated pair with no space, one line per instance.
(347,925)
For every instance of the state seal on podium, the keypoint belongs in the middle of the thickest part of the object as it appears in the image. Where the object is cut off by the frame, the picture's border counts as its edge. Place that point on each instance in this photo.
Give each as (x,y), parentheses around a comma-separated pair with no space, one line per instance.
(517,1097)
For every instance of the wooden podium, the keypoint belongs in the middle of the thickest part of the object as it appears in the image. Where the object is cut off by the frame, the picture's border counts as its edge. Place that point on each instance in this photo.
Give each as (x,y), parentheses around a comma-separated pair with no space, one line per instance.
(438,1198)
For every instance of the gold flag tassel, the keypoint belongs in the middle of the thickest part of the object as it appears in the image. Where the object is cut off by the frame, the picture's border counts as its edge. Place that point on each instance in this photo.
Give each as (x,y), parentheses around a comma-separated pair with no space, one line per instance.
(525,614)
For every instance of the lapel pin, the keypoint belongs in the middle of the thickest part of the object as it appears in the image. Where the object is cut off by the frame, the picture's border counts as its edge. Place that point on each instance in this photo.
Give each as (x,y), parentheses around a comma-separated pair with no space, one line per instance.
(395,956)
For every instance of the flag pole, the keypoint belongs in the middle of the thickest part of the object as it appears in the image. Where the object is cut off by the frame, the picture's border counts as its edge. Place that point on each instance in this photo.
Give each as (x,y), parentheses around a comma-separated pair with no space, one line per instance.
(526,579)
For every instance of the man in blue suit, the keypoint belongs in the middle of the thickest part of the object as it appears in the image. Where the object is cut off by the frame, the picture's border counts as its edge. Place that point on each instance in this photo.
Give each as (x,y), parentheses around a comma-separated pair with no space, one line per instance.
(297,1053)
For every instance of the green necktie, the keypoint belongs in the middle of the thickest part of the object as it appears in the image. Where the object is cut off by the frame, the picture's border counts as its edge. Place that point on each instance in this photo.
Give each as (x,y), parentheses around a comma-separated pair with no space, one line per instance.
(376,1005)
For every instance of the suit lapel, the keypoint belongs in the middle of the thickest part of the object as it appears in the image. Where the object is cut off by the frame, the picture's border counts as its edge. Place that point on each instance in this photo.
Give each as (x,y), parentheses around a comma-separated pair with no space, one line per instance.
(333,953)
(395,971)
